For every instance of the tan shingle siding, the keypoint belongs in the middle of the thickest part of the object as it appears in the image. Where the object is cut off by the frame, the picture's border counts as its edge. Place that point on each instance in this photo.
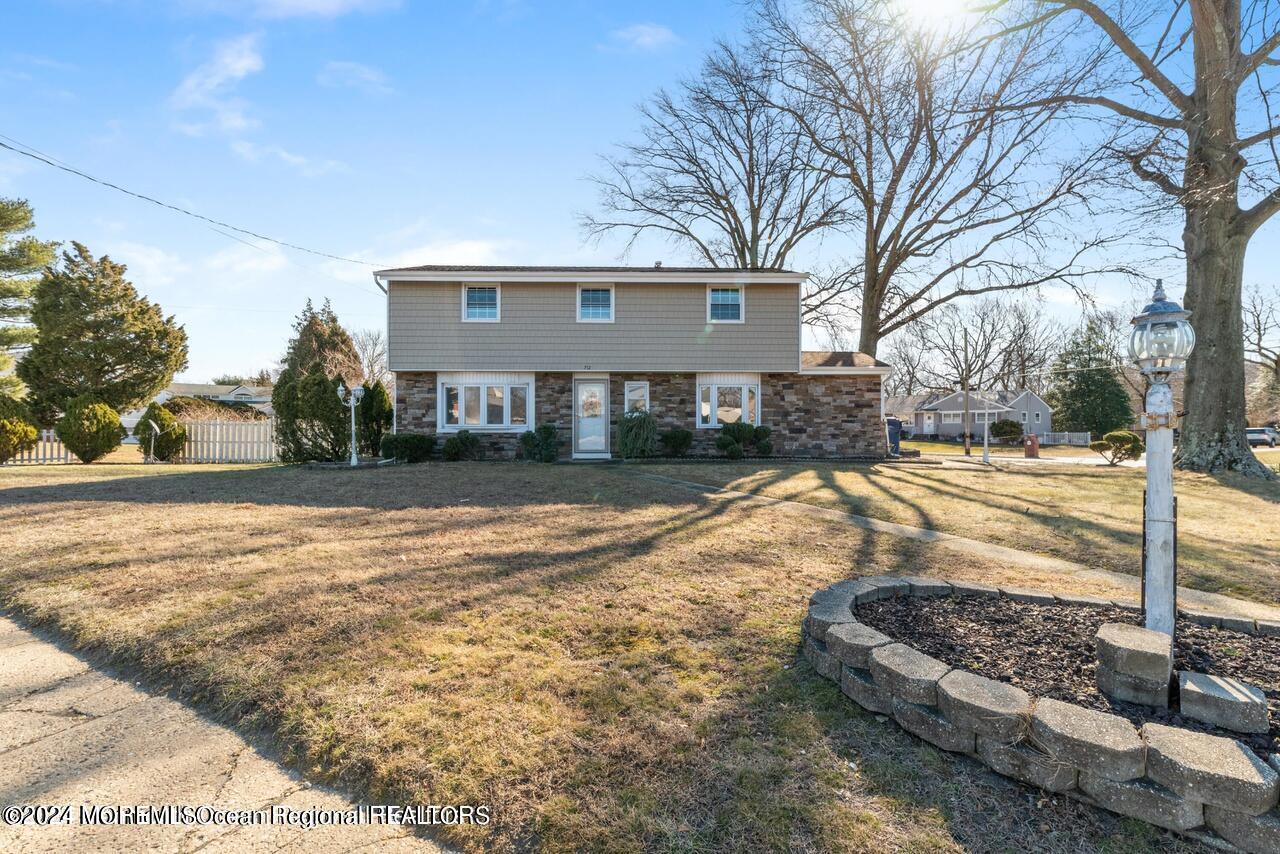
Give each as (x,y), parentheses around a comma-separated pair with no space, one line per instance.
(657,328)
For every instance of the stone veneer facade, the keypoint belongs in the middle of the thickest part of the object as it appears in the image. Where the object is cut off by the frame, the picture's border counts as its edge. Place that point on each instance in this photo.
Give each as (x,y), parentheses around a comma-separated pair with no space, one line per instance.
(812,415)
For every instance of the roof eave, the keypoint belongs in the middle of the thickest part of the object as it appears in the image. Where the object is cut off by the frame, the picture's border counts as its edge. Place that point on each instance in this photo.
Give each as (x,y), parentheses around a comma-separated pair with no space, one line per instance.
(655,276)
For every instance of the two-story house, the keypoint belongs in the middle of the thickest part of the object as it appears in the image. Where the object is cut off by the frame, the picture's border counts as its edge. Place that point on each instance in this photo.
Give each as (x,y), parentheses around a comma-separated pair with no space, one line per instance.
(500,350)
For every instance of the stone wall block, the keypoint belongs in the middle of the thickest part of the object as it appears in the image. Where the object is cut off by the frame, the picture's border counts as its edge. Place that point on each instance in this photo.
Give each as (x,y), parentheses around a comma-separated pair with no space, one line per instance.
(907,674)
(852,643)
(1144,800)
(1210,769)
(859,686)
(993,709)
(1026,763)
(927,723)
(1102,744)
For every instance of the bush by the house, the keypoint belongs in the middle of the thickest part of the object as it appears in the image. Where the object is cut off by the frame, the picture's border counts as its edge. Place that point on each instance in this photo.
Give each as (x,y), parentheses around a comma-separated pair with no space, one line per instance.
(311,421)
(203,409)
(89,429)
(676,443)
(736,439)
(540,445)
(1006,429)
(462,445)
(1118,446)
(373,417)
(408,447)
(638,434)
(16,436)
(169,439)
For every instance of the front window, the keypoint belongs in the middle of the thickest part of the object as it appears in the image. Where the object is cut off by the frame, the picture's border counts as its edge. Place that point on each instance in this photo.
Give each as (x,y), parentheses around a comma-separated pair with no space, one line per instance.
(724,305)
(727,404)
(494,406)
(481,303)
(595,305)
(1037,417)
(637,396)
(951,418)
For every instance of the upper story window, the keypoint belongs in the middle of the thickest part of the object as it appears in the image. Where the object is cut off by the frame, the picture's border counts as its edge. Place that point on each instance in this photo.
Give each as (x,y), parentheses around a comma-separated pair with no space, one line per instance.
(595,304)
(724,304)
(1024,416)
(481,303)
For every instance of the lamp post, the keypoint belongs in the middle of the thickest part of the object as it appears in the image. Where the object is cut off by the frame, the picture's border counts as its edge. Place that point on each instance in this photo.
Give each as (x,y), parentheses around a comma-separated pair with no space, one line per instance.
(1160,343)
(351,400)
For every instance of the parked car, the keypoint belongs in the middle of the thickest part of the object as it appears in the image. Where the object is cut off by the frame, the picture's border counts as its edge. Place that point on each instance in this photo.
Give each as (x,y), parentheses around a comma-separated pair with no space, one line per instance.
(1262,436)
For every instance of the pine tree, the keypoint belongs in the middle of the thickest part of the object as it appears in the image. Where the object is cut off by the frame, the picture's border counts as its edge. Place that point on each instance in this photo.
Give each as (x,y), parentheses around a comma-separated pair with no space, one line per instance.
(1087,393)
(97,336)
(21,256)
(310,421)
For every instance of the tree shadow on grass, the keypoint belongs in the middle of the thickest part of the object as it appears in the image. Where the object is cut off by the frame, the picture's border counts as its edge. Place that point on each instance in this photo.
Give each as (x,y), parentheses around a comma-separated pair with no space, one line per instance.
(608,661)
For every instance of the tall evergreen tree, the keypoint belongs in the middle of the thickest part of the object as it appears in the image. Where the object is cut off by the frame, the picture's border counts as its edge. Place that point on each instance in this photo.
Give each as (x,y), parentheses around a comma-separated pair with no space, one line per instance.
(311,423)
(1086,392)
(21,257)
(97,336)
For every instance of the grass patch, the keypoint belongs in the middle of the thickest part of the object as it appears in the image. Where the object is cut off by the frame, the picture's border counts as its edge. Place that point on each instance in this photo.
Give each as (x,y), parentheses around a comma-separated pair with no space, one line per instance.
(1228,526)
(609,663)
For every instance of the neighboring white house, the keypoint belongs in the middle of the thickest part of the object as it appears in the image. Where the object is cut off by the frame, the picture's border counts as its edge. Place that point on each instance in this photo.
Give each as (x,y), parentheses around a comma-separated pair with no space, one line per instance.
(942,413)
(257,396)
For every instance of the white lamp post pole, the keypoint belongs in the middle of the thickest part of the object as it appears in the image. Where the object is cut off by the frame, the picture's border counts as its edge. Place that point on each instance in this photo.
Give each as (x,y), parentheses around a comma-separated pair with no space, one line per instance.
(351,400)
(1160,343)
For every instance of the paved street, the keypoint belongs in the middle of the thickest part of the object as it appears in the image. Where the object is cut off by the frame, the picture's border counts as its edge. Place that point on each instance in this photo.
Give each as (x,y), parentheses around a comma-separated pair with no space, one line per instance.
(72,735)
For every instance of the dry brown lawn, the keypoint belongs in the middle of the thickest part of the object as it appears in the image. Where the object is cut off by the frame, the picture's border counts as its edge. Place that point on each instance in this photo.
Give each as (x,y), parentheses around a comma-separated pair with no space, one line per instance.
(953,448)
(1228,527)
(610,663)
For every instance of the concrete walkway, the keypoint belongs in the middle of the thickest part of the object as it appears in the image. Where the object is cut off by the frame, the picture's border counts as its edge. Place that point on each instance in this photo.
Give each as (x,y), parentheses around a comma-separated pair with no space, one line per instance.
(70,734)
(1195,600)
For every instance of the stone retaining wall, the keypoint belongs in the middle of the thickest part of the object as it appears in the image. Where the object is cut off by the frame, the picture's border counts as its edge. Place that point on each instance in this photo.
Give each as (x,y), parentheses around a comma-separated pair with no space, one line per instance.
(1202,785)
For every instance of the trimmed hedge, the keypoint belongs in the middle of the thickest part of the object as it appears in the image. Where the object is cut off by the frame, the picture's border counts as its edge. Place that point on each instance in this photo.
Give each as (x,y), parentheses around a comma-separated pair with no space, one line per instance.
(1118,446)
(16,436)
(89,429)
(540,445)
(169,440)
(676,443)
(462,445)
(408,447)
(739,437)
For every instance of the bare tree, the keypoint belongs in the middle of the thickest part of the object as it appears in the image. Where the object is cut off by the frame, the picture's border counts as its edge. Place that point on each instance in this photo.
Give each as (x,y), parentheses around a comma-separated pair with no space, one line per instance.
(1032,342)
(1178,77)
(908,358)
(1262,331)
(371,353)
(953,196)
(964,345)
(719,171)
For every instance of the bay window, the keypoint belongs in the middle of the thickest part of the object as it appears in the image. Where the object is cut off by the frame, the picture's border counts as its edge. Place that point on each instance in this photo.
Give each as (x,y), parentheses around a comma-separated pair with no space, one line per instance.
(492,406)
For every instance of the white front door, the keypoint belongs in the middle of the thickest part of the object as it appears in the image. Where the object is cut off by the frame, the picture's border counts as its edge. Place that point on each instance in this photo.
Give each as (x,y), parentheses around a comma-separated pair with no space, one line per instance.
(928,422)
(591,418)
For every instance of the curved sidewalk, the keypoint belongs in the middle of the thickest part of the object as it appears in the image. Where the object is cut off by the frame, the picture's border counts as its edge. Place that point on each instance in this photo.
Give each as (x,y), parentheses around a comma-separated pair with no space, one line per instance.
(1195,600)
(70,734)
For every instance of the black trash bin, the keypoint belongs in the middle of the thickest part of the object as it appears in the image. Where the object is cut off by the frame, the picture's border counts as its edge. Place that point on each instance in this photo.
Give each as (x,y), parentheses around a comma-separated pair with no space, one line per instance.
(894,427)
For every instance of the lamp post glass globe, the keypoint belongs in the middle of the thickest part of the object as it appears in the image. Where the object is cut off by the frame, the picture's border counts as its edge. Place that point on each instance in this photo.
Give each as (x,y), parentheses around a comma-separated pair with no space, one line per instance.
(1162,338)
(1159,345)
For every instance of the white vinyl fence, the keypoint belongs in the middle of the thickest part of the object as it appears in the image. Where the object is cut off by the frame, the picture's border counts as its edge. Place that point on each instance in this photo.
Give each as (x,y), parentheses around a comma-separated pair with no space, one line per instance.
(1081,439)
(48,449)
(229,442)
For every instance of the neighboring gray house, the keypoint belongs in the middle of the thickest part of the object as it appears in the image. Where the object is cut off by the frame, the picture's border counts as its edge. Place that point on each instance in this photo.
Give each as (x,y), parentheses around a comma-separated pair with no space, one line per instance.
(942,413)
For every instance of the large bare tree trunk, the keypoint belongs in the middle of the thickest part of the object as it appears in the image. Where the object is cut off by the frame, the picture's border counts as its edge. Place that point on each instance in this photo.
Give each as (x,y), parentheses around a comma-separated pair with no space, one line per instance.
(1213,437)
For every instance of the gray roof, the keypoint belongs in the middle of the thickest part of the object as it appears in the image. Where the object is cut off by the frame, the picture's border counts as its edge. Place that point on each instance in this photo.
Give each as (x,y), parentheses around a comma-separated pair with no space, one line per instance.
(907,404)
(473,268)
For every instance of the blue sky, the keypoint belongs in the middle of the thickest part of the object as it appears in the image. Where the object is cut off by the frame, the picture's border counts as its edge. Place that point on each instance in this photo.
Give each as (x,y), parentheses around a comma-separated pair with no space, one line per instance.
(388,130)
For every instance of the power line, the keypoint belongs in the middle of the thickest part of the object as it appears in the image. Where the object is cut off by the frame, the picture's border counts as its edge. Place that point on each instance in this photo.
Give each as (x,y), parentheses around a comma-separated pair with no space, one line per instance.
(35,154)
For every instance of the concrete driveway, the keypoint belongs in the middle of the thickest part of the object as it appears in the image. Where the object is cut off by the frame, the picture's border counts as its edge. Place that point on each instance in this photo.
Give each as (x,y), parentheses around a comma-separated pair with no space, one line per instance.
(70,734)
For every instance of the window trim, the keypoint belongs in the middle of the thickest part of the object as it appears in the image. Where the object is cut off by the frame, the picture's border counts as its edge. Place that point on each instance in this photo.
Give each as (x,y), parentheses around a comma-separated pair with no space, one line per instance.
(442,425)
(714,423)
(613,302)
(1037,417)
(742,301)
(497,287)
(1024,416)
(626,393)
(953,418)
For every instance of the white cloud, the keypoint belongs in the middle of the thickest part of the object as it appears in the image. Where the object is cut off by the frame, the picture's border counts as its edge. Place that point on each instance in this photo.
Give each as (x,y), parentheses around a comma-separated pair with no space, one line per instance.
(149,266)
(210,87)
(309,166)
(292,8)
(643,38)
(241,260)
(442,250)
(353,75)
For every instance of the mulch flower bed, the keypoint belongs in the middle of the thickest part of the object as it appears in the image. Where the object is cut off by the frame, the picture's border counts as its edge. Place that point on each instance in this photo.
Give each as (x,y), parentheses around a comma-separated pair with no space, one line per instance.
(1049,651)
